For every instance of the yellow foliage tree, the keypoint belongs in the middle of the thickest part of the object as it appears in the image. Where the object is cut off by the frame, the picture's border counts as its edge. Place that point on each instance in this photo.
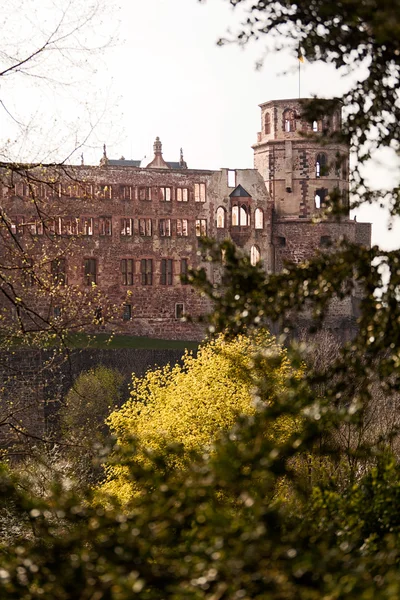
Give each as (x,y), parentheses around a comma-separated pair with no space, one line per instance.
(190,403)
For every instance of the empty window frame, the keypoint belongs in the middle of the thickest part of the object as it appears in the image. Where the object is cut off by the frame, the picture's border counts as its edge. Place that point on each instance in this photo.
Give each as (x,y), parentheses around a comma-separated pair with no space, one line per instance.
(17,225)
(254,255)
(184,270)
(126,226)
(165,194)
(244,216)
(146,271)
(182,194)
(231,178)
(258,219)
(127,271)
(59,270)
(235,216)
(105,226)
(125,192)
(87,225)
(289,120)
(320,196)
(199,192)
(315,125)
(182,227)
(201,227)
(127,314)
(179,310)
(90,266)
(321,166)
(145,193)
(145,227)
(165,227)
(220,217)
(104,191)
(267,123)
(166,271)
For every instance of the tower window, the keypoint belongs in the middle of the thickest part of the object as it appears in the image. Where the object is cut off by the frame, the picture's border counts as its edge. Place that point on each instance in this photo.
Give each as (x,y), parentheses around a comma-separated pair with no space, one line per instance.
(320,196)
(220,217)
(235,216)
(244,216)
(259,219)
(267,123)
(321,167)
(289,120)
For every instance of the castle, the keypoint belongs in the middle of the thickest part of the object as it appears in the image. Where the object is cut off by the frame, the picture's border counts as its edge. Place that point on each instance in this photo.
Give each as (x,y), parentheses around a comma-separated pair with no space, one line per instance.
(131,230)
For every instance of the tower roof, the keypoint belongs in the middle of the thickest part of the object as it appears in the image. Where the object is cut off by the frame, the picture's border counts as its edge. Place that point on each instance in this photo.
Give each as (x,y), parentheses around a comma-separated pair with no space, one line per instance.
(239,192)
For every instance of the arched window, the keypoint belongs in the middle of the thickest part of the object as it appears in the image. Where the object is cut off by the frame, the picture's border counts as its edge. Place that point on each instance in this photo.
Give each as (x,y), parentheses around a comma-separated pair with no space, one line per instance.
(244,216)
(267,123)
(321,168)
(320,196)
(235,216)
(289,120)
(220,217)
(254,255)
(259,219)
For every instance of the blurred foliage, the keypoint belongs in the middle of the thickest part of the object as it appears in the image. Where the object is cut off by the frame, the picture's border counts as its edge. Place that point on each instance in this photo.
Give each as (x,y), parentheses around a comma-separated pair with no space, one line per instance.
(190,403)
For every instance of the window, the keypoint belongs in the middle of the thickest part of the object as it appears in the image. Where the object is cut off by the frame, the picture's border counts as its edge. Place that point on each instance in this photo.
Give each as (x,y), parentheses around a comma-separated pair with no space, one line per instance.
(145,193)
(165,227)
(320,196)
(289,120)
(184,269)
(28,277)
(104,191)
(254,255)
(58,271)
(244,216)
(56,312)
(259,219)
(127,271)
(182,194)
(231,178)
(145,227)
(201,227)
(220,217)
(166,271)
(69,226)
(164,194)
(87,226)
(127,314)
(146,271)
(182,227)
(267,123)
(179,310)
(90,271)
(17,225)
(105,226)
(321,169)
(315,126)
(127,226)
(199,192)
(125,192)
(325,241)
(235,216)
(281,241)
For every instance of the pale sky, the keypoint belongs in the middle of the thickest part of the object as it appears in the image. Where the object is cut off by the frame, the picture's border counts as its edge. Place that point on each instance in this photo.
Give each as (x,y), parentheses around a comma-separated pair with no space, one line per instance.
(165,76)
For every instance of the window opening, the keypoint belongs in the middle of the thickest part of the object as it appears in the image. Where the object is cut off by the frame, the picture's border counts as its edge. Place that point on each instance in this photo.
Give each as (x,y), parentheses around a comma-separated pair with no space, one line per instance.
(179,310)
(259,219)
(127,271)
(235,216)
(165,227)
(127,226)
(201,227)
(184,269)
(58,271)
(146,271)
(127,314)
(254,255)
(164,194)
(220,217)
(244,217)
(145,227)
(325,241)
(231,178)
(90,271)
(315,126)
(321,165)
(182,227)
(105,226)
(267,123)
(200,192)
(182,194)
(166,271)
